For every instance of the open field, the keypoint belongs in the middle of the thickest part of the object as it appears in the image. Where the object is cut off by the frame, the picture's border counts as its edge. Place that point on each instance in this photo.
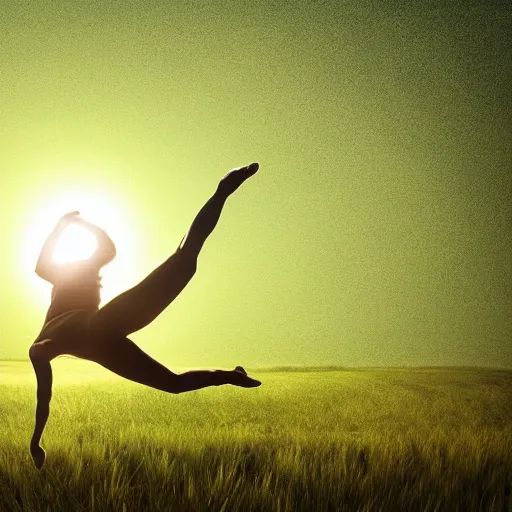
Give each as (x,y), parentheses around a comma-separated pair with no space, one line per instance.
(359,440)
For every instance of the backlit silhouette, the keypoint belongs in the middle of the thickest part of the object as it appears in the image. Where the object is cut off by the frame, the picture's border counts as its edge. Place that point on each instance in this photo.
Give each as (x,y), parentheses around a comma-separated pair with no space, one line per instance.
(75,324)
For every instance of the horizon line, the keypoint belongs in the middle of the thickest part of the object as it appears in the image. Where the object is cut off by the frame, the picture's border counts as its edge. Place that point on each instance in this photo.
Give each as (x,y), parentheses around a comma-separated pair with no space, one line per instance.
(311,368)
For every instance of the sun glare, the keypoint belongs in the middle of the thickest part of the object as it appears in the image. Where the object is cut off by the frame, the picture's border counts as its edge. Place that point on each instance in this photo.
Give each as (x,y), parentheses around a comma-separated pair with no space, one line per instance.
(76,242)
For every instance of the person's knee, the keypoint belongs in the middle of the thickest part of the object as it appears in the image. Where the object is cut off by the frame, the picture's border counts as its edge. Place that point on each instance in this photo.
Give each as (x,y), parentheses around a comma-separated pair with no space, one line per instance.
(175,384)
(189,249)
(191,269)
(186,258)
(42,351)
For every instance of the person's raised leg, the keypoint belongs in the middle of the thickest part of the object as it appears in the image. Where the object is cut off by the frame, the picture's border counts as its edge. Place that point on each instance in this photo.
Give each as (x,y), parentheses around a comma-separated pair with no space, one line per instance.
(125,358)
(207,218)
(139,306)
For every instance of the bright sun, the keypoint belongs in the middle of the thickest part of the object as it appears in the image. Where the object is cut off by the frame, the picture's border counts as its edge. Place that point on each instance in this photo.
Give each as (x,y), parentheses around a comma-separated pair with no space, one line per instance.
(76,242)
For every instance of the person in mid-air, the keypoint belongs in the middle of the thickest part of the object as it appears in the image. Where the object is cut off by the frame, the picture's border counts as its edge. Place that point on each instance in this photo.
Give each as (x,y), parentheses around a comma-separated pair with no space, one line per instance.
(75,324)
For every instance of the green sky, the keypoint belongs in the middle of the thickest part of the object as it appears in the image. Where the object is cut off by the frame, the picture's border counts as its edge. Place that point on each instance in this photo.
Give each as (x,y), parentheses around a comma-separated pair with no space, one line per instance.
(379,229)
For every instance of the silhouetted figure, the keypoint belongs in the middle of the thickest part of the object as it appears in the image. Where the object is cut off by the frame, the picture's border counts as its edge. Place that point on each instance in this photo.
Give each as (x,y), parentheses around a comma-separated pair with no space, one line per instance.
(76,326)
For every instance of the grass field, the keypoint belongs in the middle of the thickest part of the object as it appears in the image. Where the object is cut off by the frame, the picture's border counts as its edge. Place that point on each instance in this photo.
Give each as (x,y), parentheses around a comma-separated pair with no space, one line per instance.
(356,440)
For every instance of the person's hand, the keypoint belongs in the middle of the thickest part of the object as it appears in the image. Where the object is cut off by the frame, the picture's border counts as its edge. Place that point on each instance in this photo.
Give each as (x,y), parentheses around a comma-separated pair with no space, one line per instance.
(38,455)
(69,217)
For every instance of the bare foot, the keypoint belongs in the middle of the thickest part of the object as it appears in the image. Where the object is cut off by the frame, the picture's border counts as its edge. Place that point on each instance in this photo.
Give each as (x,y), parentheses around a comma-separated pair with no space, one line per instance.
(236,177)
(243,380)
(38,455)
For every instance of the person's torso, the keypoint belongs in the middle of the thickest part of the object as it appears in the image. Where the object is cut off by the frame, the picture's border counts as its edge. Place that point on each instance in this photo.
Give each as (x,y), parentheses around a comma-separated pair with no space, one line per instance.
(69,333)
(77,287)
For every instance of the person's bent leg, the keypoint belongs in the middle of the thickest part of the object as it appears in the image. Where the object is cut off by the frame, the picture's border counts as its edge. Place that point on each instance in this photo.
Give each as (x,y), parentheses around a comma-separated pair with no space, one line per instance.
(40,360)
(125,358)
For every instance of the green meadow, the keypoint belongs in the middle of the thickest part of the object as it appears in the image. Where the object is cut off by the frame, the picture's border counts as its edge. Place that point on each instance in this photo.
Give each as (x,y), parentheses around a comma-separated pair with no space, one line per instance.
(422,439)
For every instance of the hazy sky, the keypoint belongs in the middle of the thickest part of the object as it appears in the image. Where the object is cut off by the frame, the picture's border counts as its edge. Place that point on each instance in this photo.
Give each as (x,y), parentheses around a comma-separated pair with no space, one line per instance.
(379,229)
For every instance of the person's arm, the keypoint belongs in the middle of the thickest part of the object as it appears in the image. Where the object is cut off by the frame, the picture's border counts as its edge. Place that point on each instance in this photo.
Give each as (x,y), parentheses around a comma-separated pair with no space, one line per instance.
(106,250)
(45,267)
(44,378)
